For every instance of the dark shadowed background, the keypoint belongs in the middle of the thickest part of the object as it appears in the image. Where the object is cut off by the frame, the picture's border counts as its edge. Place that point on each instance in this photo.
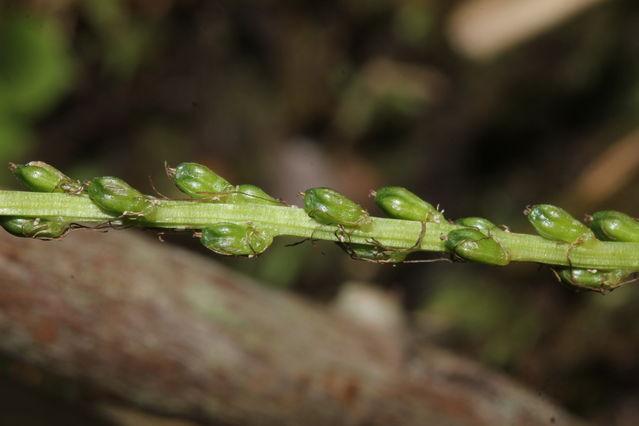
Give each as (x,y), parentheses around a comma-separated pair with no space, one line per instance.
(480,106)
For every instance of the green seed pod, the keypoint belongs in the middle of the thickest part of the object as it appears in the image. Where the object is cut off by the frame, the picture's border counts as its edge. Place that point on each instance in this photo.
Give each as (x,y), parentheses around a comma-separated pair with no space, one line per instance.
(115,196)
(373,253)
(42,177)
(400,203)
(594,279)
(198,181)
(615,226)
(554,223)
(232,239)
(329,207)
(473,245)
(479,223)
(250,194)
(34,228)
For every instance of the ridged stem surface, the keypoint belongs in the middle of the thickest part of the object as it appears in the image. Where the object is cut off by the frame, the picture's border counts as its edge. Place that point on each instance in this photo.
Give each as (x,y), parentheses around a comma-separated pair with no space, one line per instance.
(293,221)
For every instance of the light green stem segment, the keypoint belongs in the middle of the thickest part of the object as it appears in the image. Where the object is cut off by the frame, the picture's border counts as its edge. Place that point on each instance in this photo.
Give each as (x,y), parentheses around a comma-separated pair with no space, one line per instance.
(293,221)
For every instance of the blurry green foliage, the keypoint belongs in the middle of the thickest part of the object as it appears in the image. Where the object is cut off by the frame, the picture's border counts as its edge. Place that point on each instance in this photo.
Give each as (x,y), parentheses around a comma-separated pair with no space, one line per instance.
(413,22)
(35,65)
(383,91)
(496,321)
(283,265)
(36,69)
(123,38)
(15,139)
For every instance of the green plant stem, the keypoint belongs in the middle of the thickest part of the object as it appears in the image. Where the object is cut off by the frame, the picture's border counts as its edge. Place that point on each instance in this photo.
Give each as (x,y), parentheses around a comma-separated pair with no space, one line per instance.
(293,221)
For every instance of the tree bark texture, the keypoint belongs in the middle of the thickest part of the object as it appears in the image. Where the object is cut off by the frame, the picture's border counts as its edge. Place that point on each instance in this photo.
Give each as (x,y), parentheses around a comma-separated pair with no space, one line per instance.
(174,332)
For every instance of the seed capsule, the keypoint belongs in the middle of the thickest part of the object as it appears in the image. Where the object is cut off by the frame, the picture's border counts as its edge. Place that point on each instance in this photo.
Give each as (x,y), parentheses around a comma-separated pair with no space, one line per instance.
(329,207)
(615,226)
(232,239)
(400,203)
(34,228)
(115,196)
(594,279)
(485,226)
(374,253)
(250,194)
(42,177)
(554,223)
(472,244)
(198,181)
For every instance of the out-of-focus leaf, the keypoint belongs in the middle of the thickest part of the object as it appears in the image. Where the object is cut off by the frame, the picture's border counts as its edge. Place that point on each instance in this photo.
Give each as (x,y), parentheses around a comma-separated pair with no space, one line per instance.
(124,40)
(35,65)
(491,318)
(15,140)
(413,22)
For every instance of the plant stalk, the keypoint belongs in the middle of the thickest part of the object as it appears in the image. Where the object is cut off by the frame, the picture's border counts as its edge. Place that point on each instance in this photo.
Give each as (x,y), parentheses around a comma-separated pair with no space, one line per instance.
(293,221)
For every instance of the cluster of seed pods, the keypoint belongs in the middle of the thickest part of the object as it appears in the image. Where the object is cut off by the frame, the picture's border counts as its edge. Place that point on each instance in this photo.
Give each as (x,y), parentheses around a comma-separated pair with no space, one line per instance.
(227,238)
(115,196)
(475,239)
(556,224)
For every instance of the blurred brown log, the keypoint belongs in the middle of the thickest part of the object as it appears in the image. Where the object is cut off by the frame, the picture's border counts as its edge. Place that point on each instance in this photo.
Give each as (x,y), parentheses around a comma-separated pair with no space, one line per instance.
(173,332)
(609,171)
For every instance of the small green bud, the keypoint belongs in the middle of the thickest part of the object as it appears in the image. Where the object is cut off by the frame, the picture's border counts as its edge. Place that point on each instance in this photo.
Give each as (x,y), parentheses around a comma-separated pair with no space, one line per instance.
(554,223)
(198,181)
(329,207)
(250,194)
(400,203)
(115,196)
(34,228)
(485,226)
(615,226)
(42,177)
(373,253)
(232,239)
(473,245)
(594,279)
